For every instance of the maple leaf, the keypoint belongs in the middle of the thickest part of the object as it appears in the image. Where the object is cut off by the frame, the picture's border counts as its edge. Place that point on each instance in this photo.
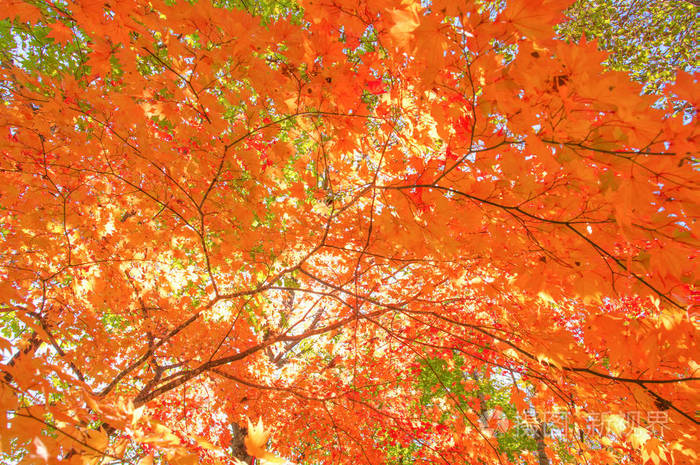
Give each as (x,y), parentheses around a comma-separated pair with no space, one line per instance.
(686,86)
(405,21)
(256,440)
(23,10)
(376,86)
(60,33)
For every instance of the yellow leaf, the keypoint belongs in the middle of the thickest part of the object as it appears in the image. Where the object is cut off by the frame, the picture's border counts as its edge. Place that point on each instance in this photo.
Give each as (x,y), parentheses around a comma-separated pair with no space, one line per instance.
(639,436)
(203,443)
(616,423)
(255,443)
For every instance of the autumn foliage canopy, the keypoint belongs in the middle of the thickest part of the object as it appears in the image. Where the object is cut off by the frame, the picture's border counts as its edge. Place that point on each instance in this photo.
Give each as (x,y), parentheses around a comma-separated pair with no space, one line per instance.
(393,231)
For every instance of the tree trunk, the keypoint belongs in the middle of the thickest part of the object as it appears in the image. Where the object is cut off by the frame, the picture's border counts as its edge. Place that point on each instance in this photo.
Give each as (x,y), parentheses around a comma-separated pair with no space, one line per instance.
(540,433)
(238,451)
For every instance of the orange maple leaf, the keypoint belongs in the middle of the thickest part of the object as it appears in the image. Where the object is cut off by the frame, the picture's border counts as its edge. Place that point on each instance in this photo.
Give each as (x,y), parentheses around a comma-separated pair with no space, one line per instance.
(60,33)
